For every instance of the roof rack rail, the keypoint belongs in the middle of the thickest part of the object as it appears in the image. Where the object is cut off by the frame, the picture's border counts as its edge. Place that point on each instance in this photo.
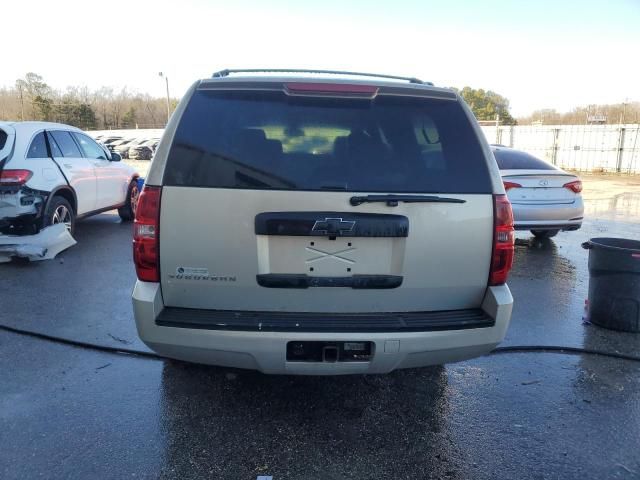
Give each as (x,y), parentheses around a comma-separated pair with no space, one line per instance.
(226,72)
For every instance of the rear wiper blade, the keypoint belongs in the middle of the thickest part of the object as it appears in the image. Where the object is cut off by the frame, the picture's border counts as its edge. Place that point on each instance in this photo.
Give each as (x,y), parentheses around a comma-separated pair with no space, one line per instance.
(393,200)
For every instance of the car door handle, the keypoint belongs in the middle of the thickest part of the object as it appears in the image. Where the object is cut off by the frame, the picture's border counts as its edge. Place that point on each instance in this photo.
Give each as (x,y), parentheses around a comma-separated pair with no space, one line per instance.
(68,165)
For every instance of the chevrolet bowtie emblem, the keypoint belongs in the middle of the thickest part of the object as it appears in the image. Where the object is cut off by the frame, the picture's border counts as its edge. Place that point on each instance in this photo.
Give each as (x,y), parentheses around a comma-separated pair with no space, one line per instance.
(333,227)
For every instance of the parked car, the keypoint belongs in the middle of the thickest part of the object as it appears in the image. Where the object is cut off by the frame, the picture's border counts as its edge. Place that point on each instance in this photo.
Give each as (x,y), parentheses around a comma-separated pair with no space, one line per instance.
(328,227)
(124,149)
(143,151)
(545,199)
(52,173)
(122,146)
(112,144)
(109,140)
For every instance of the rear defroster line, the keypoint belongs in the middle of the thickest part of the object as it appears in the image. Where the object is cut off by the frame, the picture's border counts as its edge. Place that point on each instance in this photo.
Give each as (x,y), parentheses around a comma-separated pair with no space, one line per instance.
(155,356)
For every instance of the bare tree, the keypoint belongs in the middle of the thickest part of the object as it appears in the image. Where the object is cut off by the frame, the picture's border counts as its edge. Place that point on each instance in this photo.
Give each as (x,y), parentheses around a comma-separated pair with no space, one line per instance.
(32,99)
(627,112)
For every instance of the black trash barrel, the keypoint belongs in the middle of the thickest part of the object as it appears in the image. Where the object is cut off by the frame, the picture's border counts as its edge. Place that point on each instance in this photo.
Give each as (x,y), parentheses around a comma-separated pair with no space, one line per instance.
(614,283)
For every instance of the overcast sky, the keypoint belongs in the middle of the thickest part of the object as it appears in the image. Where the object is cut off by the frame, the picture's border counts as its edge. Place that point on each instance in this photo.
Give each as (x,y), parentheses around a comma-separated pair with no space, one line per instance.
(544,53)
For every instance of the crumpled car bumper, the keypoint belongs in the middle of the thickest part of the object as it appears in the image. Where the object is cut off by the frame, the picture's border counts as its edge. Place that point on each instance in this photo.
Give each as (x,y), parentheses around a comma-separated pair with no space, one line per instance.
(45,245)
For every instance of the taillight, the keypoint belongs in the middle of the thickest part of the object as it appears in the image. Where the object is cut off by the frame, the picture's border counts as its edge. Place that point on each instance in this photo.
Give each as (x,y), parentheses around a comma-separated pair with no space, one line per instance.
(503,241)
(575,186)
(146,231)
(509,185)
(14,178)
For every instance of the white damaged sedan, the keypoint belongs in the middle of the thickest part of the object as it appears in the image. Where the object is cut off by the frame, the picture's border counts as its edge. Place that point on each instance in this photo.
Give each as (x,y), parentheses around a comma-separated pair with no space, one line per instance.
(52,173)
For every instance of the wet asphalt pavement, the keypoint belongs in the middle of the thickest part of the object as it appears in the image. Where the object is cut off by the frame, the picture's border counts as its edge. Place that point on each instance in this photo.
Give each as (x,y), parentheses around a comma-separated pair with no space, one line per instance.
(67,412)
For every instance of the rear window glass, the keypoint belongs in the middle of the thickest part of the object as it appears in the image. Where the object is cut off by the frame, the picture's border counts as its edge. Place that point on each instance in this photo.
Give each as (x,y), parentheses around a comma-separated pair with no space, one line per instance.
(38,147)
(268,140)
(3,138)
(517,160)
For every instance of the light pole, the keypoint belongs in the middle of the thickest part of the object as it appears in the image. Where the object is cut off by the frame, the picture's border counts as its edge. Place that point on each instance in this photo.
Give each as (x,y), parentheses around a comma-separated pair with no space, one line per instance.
(166,79)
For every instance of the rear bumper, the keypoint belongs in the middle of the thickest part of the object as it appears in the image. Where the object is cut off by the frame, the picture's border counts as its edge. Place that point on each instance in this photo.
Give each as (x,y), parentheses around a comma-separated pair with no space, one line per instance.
(575,225)
(266,350)
(548,217)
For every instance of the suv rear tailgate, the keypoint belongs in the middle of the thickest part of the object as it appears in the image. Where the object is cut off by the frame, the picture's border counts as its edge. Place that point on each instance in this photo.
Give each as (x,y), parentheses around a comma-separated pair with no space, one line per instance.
(211,255)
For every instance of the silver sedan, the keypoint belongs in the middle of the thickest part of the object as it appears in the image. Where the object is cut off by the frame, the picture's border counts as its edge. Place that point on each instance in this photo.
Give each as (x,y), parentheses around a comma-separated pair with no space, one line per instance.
(545,199)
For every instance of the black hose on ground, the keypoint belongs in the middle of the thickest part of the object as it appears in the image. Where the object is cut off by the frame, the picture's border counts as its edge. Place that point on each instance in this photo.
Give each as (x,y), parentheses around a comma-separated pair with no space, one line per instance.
(155,356)
(561,349)
(79,344)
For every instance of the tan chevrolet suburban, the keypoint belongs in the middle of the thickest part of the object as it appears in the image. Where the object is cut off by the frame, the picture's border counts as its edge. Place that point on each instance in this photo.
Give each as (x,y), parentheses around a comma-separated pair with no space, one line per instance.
(322,223)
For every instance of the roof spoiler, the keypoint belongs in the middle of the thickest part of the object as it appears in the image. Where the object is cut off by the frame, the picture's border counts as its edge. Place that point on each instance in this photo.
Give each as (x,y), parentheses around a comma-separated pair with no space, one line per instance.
(227,72)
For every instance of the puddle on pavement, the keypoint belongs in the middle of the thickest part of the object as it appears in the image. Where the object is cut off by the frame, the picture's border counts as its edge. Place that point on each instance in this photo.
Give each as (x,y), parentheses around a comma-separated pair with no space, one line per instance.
(623,206)
(542,258)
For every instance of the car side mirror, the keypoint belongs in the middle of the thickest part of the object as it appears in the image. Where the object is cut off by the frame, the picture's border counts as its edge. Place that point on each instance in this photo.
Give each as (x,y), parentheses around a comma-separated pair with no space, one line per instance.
(115,157)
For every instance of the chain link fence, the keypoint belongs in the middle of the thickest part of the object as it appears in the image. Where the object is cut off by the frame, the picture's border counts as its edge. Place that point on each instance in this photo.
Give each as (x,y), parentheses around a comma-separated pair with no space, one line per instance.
(587,148)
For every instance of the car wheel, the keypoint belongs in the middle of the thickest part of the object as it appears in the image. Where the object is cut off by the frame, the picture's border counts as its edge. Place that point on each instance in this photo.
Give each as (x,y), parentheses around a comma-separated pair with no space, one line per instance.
(128,212)
(544,233)
(60,211)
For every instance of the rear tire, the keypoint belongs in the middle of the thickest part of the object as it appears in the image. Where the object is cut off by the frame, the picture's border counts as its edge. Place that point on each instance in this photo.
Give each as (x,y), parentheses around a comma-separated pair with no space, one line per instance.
(544,233)
(128,212)
(59,210)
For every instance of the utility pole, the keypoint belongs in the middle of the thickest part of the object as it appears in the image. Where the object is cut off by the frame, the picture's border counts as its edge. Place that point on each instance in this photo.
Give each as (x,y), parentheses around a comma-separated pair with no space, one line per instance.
(21,103)
(586,122)
(624,110)
(166,79)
